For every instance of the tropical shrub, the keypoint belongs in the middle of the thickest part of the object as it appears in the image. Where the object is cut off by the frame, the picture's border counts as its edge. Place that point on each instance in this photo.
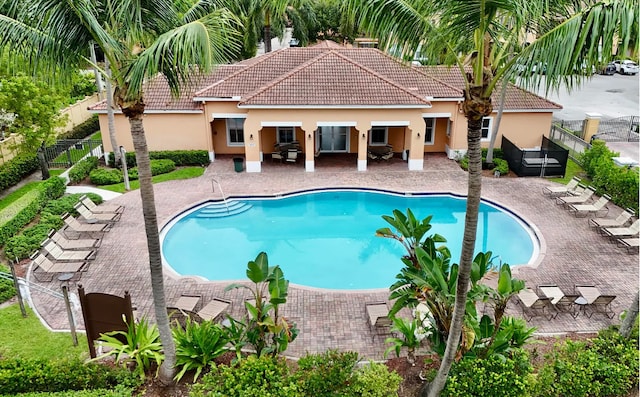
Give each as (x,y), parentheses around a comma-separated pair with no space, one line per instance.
(23,375)
(139,345)
(492,376)
(103,176)
(605,366)
(327,374)
(375,380)
(179,157)
(7,290)
(501,166)
(255,376)
(411,337)
(197,345)
(158,167)
(265,329)
(117,391)
(82,169)
(14,170)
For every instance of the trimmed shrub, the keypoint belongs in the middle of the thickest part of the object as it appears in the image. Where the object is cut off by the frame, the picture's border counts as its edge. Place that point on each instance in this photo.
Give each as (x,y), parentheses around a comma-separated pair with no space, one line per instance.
(103,176)
(255,377)
(501,166)
(606,366)
(375,380)
(53,188)
(20,213)
(118,391)
(157,167)
(21,375)
(179,157)
(14,170)
(492,376)
(7,290)
(327,374)
(82,130)
(82,169)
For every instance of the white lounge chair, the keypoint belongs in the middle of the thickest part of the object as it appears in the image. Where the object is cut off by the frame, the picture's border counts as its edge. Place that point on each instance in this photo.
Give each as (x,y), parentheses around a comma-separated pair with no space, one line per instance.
(631,244)
(102,208)
(619,221)
(534,305)
(581,199)
(66,244)
(72,225)
(41,265)
(568,189)
(91,217)
(378,315)
(56,252)
(622,232)
(597,208)
(214,309)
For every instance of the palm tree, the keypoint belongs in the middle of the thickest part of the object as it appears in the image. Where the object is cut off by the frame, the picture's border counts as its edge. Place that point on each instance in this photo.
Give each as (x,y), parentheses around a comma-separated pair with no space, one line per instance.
(141,40)
(479,37)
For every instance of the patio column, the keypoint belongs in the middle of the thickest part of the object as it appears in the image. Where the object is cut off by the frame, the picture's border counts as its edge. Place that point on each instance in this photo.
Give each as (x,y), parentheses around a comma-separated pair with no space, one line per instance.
(309,132)
(416,146)
(252,144)
(363,140)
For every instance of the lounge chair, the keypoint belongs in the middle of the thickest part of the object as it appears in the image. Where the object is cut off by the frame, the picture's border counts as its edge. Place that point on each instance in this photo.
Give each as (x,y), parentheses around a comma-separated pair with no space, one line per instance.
(620,221)
(566,190)
(592,300)
(91,217)
(41,265)
(102,208)
(213,309)
(534,305)
(631,244)
(581,199)
(622,232)
(378,315)
(52,249)
(562,302)
(72,225)
(73,244)
(597,208)
(182,308)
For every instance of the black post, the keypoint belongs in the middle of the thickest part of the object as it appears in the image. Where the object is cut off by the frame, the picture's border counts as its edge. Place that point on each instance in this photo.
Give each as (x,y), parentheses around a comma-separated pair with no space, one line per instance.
(17,287)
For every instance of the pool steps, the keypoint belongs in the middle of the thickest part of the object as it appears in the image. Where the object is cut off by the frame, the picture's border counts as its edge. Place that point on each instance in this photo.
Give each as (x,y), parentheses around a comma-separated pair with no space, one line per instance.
(220,210)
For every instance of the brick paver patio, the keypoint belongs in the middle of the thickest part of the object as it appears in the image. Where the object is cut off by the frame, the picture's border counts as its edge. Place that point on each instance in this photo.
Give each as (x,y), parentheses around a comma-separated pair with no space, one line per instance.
(572,253)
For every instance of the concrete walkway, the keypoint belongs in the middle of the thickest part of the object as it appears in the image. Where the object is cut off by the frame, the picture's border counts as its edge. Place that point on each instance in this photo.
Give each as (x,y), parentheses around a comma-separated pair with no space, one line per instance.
(105,194)
(572,253)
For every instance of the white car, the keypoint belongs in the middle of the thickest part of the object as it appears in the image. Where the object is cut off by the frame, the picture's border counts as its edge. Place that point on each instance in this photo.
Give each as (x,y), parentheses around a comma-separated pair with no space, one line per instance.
(626,67)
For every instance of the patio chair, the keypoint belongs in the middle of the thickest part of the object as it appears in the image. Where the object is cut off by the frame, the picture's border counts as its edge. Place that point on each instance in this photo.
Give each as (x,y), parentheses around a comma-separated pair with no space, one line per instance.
(597,208)
(562,302)
(212,310)
(566,190)
(72,225)
(533,305)
(277,156)
(182,308)
(73,244)
(102,208)
(52,249)
(378,315)
(594,302)
(43,266)
(622,232)
(91,217)
(292,155)
(581,199)
(620,221)
(631,244)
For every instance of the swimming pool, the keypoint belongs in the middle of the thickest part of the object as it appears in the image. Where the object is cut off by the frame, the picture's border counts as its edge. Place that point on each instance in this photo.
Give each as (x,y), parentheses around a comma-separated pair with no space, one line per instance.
(326,239)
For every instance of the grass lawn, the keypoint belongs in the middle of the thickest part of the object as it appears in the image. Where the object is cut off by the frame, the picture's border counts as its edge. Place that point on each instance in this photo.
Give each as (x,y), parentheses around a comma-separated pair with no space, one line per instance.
(28,338)
(16,195)
(573,169)
(181,173)
(78,153)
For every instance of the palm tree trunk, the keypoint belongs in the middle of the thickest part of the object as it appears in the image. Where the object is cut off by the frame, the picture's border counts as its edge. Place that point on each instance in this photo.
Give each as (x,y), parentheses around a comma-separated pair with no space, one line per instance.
(267,33)
(475,107)
(110,117)
(630,319)
(134,113)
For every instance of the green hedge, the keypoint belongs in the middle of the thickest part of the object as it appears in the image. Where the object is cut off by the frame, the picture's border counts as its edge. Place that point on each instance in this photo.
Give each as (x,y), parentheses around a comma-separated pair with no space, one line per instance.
(82,130)
(22,375)
(621,183)
(25,243)
(158,167)
(179,157)
(103,176)
(16,169)
(82,169)
(7,290)
(118,391)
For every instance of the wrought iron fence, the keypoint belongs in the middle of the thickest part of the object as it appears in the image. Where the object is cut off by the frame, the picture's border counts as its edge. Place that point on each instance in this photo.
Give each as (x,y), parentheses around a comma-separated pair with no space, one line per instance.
(66,152)
(575,127)
(621,129)
(568,140)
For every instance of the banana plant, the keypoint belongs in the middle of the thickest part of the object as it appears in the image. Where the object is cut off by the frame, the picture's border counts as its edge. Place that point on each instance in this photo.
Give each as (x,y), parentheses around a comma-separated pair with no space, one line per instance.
(266,330)
(409,329)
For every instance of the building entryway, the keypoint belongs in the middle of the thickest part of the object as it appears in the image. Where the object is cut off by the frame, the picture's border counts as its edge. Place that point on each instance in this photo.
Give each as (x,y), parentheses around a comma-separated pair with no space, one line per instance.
(333,139)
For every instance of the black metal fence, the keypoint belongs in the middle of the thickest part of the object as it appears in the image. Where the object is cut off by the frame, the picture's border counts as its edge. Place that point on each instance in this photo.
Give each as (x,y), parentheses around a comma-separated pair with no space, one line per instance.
(66,152)
(568,140)
(549,160)
(575,127)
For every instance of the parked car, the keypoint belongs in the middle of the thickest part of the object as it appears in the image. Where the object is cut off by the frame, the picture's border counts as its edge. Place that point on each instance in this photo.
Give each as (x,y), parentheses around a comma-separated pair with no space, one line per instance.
(626,66)
(609,69)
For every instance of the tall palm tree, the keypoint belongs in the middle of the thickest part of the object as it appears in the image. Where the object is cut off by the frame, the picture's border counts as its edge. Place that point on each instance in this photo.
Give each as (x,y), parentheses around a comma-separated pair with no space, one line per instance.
(141,39)
(479,37)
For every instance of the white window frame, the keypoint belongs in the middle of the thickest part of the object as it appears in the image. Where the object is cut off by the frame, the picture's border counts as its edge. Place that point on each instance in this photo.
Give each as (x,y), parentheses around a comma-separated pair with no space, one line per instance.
(386,135)
(228,127)
(488,128)
(431,128)
(281,129)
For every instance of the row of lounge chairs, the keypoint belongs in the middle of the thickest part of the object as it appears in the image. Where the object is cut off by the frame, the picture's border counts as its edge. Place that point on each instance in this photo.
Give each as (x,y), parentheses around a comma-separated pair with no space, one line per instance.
(549,300)
(67,253)
(188,306)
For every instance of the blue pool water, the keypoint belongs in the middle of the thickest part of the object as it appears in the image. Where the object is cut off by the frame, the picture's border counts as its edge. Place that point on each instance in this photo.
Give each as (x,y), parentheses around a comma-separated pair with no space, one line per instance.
(327,239)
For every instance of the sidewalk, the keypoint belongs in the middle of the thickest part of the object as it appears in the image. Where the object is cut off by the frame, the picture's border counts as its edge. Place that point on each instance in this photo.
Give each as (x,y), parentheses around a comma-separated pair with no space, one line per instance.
(105,194)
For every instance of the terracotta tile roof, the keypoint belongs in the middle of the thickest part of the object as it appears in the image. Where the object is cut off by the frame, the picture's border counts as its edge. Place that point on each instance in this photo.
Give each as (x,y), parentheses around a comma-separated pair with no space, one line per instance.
(516,98)
(333,79)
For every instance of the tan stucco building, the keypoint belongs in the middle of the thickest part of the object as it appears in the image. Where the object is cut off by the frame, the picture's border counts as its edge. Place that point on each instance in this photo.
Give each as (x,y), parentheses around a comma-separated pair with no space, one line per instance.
(325,99)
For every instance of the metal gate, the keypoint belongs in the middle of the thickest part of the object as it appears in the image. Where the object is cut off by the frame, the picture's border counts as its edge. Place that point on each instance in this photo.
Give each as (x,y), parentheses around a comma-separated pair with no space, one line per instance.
(66,152)
(622,129)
